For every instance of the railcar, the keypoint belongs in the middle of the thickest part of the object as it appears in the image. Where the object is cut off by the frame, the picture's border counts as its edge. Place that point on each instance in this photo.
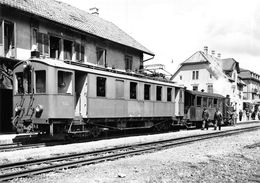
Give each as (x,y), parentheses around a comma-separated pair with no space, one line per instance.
(196,101)
(52,96)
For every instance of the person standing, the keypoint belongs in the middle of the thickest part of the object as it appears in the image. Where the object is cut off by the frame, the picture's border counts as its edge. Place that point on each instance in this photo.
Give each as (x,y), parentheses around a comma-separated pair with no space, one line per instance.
(205,119)
(235,117)
(240,115)
(218,117)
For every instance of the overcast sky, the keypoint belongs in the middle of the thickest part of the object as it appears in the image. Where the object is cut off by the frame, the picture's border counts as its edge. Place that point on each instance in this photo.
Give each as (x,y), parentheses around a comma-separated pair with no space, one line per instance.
(175,29)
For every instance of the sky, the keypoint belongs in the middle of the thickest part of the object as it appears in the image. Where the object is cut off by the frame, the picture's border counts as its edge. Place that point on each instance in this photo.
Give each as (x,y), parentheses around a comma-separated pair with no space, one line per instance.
(175,29)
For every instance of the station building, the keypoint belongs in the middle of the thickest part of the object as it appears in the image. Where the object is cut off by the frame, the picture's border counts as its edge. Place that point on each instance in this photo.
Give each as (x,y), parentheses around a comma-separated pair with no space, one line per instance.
(209,73)
(59,31)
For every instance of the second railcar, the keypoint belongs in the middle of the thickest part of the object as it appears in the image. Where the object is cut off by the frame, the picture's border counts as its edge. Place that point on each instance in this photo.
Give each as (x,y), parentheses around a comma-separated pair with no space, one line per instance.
(196,101)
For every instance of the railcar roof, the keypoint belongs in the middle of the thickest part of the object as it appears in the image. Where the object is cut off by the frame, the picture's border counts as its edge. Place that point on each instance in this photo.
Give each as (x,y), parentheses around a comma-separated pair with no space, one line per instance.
(205,94)
(70,65)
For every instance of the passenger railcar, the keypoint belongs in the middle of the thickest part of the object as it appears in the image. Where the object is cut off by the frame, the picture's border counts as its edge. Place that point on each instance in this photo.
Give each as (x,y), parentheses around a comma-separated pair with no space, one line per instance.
(50,96)
(196,101)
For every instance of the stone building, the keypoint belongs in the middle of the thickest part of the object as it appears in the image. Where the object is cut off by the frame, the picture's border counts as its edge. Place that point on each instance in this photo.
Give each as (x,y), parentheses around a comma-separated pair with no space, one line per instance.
(62,32)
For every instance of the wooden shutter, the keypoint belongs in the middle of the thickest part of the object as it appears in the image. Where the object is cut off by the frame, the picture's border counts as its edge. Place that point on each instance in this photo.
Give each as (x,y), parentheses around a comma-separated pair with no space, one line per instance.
(46,43)
(39,42)
(1,31)
(82,52)
(77,47)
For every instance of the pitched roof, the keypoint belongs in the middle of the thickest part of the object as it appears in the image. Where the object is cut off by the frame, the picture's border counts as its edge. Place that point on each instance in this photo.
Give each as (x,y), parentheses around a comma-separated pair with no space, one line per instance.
(228,64)
(70,16)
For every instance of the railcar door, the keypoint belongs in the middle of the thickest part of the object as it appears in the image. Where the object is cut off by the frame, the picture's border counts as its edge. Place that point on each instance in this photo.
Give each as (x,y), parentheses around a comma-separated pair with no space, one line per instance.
(81,89)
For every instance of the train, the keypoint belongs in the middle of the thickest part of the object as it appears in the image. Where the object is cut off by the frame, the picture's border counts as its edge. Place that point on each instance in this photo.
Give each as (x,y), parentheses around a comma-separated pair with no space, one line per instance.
(84,100)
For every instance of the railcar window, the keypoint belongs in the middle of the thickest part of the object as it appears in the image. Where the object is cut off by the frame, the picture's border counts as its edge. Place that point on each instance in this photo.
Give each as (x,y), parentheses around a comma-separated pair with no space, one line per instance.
(181,95)
(199,101)
(120,89)
(169,94)
(27,80)
(19,77)
(101,87)
(40,81)
(147,91)
(192,100)
(205,99)
(210,102)
(133,90)
(215,102)
(158,93)
(64,82)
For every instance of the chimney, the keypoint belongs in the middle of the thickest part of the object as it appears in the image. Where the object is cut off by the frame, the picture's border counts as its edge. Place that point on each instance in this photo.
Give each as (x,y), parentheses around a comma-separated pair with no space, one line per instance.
(219,55)
(206,50)
(212,52)
(94,11)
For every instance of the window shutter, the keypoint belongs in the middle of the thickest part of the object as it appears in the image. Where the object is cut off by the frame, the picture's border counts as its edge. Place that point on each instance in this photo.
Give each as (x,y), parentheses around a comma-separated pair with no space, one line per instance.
(1,31)
(39,42)
(82,52)
(77,46)
(46,43)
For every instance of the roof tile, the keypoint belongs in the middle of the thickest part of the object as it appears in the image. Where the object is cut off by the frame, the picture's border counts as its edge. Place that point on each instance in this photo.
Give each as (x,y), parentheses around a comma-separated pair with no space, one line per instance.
(71,16)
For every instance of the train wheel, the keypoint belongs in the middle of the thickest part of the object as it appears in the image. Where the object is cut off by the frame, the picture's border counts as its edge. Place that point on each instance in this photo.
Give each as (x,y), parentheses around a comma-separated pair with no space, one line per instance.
(95,131)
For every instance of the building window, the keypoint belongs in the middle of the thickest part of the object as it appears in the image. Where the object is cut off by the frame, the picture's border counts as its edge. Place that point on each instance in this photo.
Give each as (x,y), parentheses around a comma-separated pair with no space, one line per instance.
(180,77)
(210,88)
(67,49)
(101,56)
(80,52)
(195,88)
(64,82)
(210,76)
(40,81)
(119,89)
(7,34)
(101,87)
(133,90)
(169,94)
(54,47)
(147,91)
(158,93)
(128,63)
(195,75)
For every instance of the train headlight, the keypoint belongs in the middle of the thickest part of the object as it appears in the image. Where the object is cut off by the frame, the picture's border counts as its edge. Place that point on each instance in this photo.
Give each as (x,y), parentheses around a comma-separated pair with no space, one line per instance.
(27,65)
(17,110)
(38,111)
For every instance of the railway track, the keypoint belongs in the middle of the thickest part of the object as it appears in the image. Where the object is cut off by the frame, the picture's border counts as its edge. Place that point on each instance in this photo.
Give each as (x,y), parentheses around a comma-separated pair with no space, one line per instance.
(28,168)
(19,146)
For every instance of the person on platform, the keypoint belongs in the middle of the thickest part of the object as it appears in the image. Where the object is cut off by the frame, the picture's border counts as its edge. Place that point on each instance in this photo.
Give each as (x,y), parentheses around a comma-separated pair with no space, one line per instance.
(205,119)
(218,117)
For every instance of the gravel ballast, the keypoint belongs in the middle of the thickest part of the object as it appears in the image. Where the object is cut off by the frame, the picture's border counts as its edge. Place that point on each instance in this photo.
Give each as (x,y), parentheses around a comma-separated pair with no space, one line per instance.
(227,159)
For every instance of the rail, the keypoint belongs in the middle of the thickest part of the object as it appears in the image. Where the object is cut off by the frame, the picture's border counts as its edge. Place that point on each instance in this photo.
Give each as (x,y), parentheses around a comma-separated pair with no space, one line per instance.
(25,168)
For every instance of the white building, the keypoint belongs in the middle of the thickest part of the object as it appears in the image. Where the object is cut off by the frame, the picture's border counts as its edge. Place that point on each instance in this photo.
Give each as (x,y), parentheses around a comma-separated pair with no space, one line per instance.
(206,72)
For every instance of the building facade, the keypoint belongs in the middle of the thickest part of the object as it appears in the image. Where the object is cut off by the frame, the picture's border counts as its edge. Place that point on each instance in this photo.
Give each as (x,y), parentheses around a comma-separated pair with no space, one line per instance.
(252,89)
(61,32)
(209,73)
